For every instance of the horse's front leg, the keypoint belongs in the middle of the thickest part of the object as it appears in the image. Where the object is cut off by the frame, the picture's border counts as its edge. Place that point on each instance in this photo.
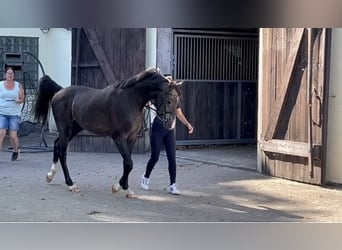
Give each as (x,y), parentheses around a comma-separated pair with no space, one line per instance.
(124,147)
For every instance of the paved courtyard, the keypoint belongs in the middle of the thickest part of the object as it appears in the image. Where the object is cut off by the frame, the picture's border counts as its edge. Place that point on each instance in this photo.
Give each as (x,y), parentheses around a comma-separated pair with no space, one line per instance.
(218,184)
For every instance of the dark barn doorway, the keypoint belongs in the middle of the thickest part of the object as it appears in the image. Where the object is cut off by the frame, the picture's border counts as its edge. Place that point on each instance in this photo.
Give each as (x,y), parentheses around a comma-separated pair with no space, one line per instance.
(220,70)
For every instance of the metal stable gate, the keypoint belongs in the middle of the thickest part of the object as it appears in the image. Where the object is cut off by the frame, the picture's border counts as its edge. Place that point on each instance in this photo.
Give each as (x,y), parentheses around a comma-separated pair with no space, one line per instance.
(216,57)
(220,91)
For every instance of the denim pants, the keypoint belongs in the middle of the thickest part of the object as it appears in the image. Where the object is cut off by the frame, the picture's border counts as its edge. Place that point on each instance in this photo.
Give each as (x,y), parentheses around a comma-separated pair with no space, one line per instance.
(9,122)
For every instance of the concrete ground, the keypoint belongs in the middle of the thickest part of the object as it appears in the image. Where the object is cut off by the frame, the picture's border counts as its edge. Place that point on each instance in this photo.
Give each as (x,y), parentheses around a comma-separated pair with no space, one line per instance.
(218,184)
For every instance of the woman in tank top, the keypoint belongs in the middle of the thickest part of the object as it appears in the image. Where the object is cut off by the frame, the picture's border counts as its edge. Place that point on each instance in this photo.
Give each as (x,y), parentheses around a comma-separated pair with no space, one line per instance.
(11,101)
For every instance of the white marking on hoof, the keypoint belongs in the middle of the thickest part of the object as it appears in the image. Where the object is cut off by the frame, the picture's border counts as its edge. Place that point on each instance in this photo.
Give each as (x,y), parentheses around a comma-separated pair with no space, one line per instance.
(74,188)
(130,194)
(49,177)
(52,173)
(116,188)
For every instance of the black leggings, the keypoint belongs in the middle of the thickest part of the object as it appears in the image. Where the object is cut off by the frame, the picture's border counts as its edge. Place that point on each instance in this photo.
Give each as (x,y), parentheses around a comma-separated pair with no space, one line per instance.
(161,135)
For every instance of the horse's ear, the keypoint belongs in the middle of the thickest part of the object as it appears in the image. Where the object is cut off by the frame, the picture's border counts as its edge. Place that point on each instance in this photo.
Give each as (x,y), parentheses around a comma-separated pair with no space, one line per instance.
(169,78)
(179,83)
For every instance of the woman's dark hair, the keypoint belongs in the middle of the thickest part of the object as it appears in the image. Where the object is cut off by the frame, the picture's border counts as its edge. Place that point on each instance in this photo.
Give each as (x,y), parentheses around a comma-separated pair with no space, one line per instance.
(8,68)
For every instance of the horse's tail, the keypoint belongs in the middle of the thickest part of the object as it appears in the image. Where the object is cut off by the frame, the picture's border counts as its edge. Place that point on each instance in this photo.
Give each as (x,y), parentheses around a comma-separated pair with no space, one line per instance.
(47,89)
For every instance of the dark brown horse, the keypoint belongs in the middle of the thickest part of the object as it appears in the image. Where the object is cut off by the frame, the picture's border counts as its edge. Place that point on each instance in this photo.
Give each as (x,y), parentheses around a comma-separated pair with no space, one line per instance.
(114,111)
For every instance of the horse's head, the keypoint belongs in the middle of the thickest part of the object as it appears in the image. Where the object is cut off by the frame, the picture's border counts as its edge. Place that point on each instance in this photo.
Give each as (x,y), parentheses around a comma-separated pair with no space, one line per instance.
(168,102)
(164,90)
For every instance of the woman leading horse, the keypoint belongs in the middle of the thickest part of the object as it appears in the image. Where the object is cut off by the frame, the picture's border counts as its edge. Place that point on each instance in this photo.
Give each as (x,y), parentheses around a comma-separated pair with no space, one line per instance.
(115,111)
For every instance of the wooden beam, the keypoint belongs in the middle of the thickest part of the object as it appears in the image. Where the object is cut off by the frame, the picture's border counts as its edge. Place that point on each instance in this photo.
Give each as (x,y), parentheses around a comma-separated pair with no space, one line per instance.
(294,148)
(281,98)
(285,147)
(100,55)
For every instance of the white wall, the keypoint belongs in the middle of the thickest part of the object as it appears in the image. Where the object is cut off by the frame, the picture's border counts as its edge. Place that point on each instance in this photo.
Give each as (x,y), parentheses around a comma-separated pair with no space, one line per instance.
(151,47)
(54,50)
(334,140)
(151,61)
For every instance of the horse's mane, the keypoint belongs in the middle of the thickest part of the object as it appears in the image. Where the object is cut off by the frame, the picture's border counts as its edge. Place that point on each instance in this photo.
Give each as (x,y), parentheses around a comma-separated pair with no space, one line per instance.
(131,82)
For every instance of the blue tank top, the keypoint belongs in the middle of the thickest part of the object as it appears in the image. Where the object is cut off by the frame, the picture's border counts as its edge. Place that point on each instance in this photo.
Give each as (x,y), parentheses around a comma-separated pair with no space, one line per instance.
(8,106)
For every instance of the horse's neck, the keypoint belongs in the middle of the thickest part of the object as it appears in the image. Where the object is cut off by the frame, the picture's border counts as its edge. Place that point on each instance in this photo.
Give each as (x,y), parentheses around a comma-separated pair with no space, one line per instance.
(136,98)
(142,95)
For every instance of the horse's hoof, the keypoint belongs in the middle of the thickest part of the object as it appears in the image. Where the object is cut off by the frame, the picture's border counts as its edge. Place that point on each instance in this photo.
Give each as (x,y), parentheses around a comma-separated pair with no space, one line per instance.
(49,177)
(130,194)
(116,188)
(74,189)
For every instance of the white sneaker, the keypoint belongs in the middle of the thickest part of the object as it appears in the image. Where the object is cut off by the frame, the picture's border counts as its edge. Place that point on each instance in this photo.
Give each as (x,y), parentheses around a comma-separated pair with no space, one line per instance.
(172,189)
(144,182)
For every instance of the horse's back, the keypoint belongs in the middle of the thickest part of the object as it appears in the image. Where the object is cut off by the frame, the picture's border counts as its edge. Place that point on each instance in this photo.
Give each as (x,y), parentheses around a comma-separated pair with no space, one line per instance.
(87,106)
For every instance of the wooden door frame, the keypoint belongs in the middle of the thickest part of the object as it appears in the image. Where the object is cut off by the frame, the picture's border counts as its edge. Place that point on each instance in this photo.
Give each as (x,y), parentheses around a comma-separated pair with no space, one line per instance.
(266,142)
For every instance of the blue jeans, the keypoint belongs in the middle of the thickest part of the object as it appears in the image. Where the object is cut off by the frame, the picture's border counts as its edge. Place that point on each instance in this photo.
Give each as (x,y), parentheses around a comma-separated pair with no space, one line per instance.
(9,122)
(159,136)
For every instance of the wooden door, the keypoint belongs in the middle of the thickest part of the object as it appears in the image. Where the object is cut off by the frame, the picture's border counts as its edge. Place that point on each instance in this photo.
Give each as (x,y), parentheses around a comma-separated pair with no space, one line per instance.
(293,113)
(103,56)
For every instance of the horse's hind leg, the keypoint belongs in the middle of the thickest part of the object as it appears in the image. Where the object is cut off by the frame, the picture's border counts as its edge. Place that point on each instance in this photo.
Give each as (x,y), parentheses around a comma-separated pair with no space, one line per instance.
(62,158)
(59,153)
(54,166)
(69,134)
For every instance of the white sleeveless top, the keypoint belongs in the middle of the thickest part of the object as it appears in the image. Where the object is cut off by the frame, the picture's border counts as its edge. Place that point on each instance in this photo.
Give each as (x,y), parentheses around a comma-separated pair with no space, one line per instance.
(8,106)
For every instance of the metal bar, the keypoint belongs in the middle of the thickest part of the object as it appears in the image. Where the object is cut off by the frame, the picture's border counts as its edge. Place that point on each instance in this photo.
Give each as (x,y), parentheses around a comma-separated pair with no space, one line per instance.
(227,60)
(235,60)
(255,60)
(187,58)
(201,32)
(197,59)
(230,60)
(221,64)
(204,60)
(181,57)
(205,57)
(241,54)
(239,110)
(191,58)
(210,53)
(249,60)
(216,59)
(175,57)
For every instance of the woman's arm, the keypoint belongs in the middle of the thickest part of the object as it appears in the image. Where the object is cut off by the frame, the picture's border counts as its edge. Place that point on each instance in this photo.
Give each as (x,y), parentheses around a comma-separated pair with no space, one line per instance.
(21,97)
(183,119)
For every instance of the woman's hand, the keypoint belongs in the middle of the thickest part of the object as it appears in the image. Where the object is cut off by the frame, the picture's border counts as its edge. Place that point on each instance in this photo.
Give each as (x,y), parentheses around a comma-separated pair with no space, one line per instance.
(19,101)
(190,128)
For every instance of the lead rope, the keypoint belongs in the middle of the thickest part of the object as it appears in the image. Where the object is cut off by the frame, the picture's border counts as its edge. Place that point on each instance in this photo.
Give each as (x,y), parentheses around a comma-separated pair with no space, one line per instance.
(149,121)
